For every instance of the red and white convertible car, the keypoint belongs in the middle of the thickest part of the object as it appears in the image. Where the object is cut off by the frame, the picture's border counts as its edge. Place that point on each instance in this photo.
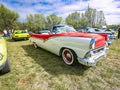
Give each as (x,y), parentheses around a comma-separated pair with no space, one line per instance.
(72,46)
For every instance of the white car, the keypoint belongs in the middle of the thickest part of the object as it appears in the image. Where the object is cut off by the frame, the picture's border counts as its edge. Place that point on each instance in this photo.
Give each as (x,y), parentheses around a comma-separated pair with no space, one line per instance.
(72,46)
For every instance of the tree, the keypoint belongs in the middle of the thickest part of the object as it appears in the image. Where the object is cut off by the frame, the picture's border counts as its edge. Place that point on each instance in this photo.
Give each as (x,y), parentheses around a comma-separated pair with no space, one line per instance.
(114,27)
(8,18)
(73,19)
(77,20)
(38,22)
(35,22)
(84,22)
(95,17)
(100,18)
(21,25)
(52,20)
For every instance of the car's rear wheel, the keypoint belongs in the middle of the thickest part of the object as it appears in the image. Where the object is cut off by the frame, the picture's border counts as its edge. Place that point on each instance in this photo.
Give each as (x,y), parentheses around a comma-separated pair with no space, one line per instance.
(26,38)
(6,68)
(69,56)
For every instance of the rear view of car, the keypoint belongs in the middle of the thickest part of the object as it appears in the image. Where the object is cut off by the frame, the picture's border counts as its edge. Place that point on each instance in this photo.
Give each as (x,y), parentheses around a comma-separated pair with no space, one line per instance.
(20,34)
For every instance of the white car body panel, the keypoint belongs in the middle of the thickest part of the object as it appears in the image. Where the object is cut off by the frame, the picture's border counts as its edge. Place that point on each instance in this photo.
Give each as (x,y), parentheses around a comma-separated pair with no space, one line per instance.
(55,44)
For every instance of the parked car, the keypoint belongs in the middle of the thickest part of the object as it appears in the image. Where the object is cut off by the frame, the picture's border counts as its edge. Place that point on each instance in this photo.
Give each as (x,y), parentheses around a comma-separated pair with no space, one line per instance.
(110,35)
(44,32)
(20,34)
(71,45)
(4,62)
(112,32)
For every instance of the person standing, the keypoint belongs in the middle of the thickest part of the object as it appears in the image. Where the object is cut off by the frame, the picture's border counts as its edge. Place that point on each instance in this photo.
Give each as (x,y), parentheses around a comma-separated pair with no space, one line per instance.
(119,33)
(5,33)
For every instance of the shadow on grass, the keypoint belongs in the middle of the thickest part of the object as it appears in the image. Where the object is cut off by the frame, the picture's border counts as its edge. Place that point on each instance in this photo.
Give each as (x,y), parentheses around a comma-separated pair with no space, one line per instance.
(11,40)
(52,63)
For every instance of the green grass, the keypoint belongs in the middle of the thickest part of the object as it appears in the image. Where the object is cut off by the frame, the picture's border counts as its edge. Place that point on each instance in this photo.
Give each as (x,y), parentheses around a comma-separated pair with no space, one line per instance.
(37,69)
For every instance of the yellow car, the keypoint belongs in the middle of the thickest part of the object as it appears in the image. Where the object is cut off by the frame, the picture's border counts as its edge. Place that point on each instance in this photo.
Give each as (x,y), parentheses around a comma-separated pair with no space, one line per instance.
(4,62)
(20,34)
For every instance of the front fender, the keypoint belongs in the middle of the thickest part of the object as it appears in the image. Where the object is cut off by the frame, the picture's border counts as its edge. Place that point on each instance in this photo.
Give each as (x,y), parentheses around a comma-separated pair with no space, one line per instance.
(79,45)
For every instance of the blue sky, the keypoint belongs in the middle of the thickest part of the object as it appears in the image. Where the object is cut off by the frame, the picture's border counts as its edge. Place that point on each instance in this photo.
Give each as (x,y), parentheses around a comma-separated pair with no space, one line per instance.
(111,8)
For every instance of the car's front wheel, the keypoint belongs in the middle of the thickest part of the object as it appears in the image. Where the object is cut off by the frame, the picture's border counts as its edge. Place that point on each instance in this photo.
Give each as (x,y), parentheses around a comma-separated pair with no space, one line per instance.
(69,56)
(6,68)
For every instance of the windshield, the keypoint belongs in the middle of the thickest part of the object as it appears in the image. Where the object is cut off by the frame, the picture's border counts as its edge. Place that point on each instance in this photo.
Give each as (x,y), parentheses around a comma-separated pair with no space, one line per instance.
(91,30)
(63,29)
(20,32)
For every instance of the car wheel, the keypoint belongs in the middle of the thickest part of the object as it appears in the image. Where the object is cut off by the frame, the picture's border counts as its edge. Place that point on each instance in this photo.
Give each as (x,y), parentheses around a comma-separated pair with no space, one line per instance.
(35,45)
(27,38)
(69,57)
(12,38)
(6,68)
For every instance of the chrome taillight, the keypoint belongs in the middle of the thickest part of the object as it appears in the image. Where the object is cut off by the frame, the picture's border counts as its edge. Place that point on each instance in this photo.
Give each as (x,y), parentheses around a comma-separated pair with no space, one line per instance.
(92,43)
(108,37)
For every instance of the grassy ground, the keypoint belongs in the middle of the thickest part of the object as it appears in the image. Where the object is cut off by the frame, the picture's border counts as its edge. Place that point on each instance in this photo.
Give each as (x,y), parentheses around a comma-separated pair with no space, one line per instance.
(37,69)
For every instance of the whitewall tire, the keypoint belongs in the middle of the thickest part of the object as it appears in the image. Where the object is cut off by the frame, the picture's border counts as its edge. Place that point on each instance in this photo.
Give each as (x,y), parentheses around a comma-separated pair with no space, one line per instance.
(69,57)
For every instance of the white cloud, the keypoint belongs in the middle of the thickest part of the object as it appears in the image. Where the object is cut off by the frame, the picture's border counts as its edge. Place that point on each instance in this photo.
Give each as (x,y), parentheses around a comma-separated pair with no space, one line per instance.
(113,19)
(109,7)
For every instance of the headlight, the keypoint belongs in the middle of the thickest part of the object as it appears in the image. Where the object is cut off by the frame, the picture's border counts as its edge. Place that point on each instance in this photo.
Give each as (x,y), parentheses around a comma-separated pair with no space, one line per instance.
(1,56)
(92,43)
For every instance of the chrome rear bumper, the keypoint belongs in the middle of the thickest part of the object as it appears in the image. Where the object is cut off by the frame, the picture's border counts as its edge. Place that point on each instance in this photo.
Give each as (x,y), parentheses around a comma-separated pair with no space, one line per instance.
(91,61)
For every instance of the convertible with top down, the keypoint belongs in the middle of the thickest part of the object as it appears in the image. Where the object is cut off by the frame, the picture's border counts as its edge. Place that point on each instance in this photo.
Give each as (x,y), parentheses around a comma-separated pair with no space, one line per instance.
(72,46)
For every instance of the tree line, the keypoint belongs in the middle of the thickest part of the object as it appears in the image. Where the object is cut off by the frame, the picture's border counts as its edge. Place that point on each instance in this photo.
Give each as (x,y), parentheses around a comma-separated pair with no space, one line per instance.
(35,22)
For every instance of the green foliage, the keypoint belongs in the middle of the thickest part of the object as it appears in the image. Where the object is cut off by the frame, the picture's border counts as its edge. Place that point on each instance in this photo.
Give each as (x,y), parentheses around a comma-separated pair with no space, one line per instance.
(8,18)
(38,22)
(94,17)
(20,25)
(115,27)
(74,19)
(52,20)
(77,20)
(35,22)
(84,22)
(91,17)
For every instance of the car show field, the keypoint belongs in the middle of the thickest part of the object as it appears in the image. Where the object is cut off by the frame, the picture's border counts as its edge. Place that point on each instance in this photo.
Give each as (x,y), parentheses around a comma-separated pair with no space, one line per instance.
(59,45)
(38,69)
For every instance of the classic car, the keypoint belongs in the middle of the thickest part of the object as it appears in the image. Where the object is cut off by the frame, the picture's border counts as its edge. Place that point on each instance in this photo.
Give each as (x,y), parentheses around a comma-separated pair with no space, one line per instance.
(71,45)
(43,31)
(20,34)
(4,62)
(110,35)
